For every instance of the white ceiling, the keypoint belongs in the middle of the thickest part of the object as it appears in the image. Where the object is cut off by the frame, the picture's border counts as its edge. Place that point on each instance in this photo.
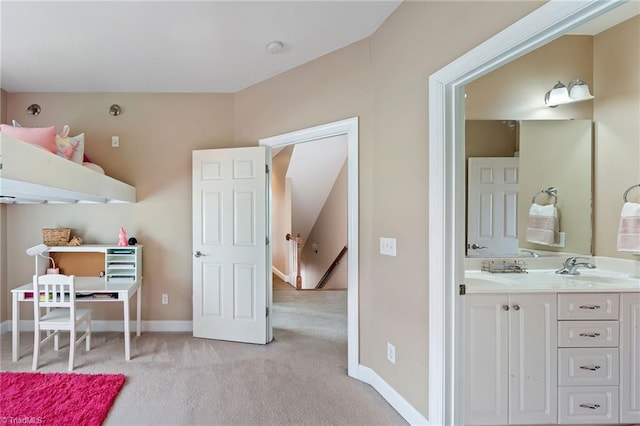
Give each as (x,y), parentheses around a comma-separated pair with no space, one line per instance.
(170,46)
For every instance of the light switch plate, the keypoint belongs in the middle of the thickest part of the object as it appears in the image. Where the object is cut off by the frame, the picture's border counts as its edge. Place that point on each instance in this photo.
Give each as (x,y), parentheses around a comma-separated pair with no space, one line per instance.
(388,246)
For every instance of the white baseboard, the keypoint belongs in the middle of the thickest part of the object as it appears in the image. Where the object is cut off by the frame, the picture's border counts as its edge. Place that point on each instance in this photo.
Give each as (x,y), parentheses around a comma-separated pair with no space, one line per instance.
(103,325)
(280,275)
(400,404)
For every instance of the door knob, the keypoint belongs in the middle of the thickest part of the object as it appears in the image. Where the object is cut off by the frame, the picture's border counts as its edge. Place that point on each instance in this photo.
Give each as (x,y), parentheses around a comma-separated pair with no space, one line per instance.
(475,246)
(516,307)
(198,253)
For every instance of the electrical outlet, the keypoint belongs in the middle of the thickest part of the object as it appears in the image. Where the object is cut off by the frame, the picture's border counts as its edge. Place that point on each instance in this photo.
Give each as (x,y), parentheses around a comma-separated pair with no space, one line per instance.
(115,141)
(388,246)
(165,299)
(391,353)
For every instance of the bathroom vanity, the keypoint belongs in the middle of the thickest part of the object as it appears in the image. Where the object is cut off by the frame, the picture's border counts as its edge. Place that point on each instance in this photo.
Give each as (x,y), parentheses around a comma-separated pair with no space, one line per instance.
(543,348)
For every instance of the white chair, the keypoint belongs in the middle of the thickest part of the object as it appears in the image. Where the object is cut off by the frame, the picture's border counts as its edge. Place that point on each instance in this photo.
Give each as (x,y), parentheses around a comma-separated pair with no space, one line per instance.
(57,294)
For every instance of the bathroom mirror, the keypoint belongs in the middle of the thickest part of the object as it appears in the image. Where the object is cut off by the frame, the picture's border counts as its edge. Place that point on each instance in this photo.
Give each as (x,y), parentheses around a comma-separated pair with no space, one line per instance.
(511,163)
(505,105)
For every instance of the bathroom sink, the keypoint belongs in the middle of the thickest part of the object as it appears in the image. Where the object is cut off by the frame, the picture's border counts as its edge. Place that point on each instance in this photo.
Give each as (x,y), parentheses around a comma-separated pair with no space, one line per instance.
(538,280)
(603,280)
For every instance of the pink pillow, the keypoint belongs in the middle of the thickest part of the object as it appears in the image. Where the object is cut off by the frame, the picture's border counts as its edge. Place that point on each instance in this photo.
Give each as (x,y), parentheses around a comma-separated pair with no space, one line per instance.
(41,136)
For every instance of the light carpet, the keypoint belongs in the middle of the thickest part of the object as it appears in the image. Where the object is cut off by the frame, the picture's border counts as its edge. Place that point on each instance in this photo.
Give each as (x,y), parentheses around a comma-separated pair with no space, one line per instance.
(174,379)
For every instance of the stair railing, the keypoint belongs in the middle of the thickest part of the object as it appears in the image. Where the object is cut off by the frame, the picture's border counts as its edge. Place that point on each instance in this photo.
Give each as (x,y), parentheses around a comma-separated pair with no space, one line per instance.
(327,274)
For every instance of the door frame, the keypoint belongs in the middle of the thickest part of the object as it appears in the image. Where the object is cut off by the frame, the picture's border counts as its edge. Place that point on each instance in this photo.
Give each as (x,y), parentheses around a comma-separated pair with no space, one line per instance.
(349,128)
(446,186)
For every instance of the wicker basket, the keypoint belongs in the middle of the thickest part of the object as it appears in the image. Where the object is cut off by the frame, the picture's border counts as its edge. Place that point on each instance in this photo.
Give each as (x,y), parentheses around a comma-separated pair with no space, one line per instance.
(56,237)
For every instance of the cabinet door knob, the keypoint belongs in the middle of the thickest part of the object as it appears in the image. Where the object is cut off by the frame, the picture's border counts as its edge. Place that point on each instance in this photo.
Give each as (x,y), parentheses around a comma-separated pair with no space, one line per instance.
(590,406)
(198,253)
(505,307)
(516,307)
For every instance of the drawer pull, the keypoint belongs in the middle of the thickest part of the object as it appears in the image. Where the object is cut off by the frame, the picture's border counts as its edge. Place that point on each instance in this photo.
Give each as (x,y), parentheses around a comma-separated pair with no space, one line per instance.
(589,334)
(589,307)
(590,367)
(590,406)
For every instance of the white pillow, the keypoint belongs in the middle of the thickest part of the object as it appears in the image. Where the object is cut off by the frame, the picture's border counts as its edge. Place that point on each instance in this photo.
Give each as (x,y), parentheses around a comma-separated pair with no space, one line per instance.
(94,167)
(78,153)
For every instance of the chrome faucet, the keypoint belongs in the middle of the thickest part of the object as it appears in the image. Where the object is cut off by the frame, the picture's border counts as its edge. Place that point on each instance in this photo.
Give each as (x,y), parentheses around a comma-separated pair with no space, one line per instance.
(571,266)
(531,252)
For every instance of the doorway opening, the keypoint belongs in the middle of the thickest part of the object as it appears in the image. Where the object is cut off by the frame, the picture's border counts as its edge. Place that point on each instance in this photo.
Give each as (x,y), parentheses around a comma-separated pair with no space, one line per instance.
(446,187)
(348,128)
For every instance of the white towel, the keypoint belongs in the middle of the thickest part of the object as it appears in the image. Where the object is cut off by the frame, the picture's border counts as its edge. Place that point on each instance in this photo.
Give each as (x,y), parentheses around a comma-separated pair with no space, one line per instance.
(543,226)
(629,228)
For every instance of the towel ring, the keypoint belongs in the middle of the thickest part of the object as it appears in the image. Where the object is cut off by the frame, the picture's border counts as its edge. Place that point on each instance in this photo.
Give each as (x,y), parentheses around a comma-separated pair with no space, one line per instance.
(624,196)
(551,192)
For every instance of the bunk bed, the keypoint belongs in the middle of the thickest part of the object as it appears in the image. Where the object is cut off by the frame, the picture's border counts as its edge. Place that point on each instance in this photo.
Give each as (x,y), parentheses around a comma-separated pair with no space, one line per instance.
(31,175)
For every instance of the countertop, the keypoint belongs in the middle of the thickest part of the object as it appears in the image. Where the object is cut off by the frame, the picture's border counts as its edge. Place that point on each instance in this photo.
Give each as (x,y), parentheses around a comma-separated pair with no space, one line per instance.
(547,281)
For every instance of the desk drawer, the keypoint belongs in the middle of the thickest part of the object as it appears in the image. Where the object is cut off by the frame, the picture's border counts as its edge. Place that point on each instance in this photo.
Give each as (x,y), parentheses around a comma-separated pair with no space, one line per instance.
(588,334)
(589,405)
(588,306)
(591,366)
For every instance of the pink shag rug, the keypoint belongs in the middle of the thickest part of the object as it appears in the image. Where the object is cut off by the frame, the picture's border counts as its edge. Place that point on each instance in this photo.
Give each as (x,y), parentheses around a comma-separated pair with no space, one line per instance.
(57,398)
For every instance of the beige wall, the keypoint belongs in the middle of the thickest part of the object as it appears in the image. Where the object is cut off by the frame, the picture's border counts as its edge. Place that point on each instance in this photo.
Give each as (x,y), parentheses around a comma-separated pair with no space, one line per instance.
(281,213)
(516,90)
(617,128)
(383,80)
(4,301)
(3,106)
(330,232)
(557,153)
(157,134)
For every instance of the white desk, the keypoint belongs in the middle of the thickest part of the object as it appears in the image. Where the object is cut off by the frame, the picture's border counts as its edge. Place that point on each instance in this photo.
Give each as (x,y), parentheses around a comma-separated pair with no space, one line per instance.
(95,285)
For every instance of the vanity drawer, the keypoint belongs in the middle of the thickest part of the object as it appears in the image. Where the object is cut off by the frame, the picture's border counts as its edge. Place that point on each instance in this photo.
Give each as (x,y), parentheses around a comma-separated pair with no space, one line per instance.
(588,366)
(588,306)
(588,334)
(588,405)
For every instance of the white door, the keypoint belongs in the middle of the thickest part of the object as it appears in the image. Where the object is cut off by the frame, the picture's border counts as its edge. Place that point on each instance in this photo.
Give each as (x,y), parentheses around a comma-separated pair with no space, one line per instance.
(533,359)
(230,256)
(492,226)
(486,321)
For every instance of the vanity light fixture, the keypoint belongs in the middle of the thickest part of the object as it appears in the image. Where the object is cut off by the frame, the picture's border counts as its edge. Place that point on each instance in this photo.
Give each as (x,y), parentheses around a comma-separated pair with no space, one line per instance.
(34,109)
(579,91)
(560,94)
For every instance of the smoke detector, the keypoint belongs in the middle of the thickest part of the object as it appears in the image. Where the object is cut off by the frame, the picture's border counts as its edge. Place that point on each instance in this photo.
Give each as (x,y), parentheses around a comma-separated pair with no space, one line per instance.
(275,47)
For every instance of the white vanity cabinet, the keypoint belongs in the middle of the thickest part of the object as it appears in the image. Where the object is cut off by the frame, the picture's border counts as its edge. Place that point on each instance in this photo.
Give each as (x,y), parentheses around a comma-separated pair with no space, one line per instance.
(510,359)
(588,358)
(630,358)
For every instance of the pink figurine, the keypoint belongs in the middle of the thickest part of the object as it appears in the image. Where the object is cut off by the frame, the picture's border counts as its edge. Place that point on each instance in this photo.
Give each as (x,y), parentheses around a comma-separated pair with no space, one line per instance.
(122,238)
